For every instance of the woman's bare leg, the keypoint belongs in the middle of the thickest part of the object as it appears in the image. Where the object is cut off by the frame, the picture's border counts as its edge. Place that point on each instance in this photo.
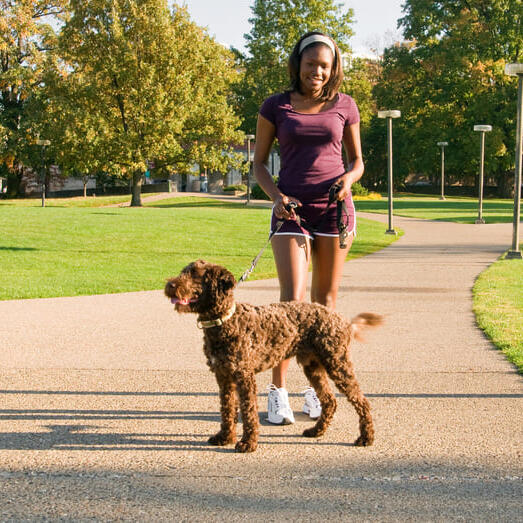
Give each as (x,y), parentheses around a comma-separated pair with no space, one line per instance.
(327,268)
(292,256)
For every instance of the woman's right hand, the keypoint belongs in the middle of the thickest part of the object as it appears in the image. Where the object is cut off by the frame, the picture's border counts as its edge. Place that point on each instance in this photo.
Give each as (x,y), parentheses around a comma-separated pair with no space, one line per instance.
(284,207)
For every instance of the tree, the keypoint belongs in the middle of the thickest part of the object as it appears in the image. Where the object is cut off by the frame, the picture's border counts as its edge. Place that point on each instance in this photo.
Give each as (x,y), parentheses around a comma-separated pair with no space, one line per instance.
(147,84)
(448,77)
(276,27)
(26,36)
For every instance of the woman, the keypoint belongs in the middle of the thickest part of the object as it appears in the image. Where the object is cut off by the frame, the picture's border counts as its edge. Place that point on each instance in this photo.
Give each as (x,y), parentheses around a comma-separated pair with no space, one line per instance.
(312,122)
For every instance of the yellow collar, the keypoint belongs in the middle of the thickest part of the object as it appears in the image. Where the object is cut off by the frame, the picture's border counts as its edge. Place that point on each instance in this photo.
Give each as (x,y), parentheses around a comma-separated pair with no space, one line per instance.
(218,321)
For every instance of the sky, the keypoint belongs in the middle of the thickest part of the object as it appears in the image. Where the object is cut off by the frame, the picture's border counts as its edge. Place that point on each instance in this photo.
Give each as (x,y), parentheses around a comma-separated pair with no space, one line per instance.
(228,20)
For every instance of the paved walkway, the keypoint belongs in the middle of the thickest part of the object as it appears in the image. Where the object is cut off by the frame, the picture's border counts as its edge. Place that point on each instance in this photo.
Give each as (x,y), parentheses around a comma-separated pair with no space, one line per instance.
(106,405)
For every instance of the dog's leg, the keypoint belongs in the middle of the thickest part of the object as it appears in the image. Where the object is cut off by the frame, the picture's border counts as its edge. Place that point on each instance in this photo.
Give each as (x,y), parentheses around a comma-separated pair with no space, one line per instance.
(317,377)
(246,385)
(228,408)
(342,374)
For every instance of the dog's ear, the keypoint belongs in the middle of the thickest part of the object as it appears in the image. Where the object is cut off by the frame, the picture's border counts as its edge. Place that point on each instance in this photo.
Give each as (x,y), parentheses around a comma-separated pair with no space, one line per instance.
(220,278)
(227,280)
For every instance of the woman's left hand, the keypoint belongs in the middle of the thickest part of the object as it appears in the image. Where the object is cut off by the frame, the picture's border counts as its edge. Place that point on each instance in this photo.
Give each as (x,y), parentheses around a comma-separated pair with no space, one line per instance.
(344,190)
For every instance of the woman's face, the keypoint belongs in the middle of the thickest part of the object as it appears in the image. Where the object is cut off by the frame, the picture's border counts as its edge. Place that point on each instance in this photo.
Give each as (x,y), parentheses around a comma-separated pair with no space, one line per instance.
(315,69)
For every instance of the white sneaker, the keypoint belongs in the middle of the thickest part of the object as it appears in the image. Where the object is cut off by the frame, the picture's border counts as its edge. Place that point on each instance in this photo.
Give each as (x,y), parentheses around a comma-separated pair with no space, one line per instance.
(312,405)
(278,408)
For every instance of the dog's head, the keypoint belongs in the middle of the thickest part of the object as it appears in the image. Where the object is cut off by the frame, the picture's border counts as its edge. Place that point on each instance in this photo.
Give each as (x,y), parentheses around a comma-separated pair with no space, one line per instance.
(201,287)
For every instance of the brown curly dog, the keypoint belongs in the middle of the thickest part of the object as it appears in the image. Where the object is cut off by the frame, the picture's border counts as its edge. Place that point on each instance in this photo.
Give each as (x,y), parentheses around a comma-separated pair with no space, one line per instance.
(241,340)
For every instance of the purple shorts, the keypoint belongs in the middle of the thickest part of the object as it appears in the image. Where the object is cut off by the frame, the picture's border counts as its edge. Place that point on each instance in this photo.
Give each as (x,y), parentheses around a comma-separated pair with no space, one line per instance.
(317,219)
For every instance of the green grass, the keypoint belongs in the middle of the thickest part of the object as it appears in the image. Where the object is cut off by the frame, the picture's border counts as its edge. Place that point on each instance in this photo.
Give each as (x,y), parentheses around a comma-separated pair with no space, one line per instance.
(70,251)
(452,209)
(79,201)
(498,304)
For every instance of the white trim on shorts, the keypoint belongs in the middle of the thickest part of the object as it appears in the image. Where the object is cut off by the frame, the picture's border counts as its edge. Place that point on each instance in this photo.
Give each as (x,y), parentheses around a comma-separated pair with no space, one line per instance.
(300,234)
(336,235)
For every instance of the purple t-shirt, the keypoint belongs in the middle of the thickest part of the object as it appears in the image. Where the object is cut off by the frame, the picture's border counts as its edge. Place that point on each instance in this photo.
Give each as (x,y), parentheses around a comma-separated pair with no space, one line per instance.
(310,144)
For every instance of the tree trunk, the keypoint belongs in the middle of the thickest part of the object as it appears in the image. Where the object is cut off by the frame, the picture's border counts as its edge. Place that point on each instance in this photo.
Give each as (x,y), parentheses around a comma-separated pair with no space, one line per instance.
(14,182)
(136,200)
(47,182)
(85,189)
(505,183)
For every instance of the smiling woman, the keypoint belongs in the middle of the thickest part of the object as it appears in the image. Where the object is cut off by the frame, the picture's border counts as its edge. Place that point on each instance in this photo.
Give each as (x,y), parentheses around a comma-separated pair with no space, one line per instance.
(313,123)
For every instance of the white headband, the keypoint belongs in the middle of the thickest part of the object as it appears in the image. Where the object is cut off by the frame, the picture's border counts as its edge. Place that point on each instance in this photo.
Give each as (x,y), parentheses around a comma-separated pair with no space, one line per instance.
(317,38)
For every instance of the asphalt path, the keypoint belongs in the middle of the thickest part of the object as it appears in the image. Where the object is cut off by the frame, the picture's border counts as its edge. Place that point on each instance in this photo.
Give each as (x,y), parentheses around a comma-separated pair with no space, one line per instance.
(106,405)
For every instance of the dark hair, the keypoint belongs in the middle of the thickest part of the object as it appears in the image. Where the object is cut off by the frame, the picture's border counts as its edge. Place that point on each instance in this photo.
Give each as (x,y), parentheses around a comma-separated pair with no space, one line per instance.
(336,78)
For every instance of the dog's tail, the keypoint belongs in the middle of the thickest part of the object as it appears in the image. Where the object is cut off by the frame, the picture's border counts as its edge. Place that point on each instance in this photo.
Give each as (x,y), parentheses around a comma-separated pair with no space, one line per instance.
(363,321)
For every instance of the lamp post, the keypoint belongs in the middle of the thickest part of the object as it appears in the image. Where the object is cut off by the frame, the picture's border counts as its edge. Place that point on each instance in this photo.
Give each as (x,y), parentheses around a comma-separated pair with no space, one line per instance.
(389,115)
(249,138)
(442,145)
(513,70)
(43,144)
(482,129)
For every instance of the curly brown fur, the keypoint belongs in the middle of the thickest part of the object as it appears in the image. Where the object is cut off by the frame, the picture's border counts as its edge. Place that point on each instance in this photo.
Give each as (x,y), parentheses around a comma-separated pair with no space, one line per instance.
(257,338)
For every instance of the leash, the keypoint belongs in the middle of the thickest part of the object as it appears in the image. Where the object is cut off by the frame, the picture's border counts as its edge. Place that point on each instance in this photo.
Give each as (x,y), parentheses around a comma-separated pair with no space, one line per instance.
(254,262)
(342,226)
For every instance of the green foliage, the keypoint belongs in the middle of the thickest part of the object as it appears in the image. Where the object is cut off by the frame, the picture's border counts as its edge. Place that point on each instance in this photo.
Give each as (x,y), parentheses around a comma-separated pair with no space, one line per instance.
(447,78)
(135,82)
(26,38)
(358,82)
(258,193)
(276,27)
(358,190)
(238,187)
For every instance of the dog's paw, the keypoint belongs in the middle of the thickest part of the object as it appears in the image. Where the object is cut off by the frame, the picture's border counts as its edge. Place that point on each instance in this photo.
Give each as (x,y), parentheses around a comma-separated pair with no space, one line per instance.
(364,441)
(219,440)
(246,446)
(313,432)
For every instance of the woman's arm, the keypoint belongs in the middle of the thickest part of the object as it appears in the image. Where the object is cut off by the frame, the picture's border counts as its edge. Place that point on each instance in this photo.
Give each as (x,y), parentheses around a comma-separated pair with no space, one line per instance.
(352,143)
(265,134)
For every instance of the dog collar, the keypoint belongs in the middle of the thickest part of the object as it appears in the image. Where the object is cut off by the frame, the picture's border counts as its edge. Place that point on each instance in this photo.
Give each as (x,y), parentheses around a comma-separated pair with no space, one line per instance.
(218,321)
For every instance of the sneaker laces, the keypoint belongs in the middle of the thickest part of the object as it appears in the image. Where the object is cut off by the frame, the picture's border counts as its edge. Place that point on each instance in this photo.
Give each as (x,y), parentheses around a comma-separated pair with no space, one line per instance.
(275,397)
(311,397)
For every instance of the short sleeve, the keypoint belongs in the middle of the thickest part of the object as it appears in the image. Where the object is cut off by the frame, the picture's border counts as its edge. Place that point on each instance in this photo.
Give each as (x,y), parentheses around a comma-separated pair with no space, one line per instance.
(352,113)
(268,109)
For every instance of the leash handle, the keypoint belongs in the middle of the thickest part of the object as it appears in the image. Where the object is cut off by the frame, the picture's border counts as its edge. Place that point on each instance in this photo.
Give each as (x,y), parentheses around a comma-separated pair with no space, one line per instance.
(342,226)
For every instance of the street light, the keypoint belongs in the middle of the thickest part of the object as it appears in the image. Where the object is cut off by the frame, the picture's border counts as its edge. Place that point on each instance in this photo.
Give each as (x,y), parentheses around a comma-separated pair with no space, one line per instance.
(482,129)
(513,70)
(389,115)
(249,138)
(43,144)
(442,145)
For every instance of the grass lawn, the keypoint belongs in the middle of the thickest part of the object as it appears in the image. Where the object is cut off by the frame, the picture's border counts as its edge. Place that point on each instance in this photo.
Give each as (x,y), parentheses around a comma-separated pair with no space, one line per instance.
(452,209)
(79,201)
(498,304)
(67,249)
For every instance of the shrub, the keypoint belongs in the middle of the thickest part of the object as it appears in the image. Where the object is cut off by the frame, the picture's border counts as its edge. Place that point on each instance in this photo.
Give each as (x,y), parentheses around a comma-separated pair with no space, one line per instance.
(358,190)
(231,188)
(371,196)
(257,193)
